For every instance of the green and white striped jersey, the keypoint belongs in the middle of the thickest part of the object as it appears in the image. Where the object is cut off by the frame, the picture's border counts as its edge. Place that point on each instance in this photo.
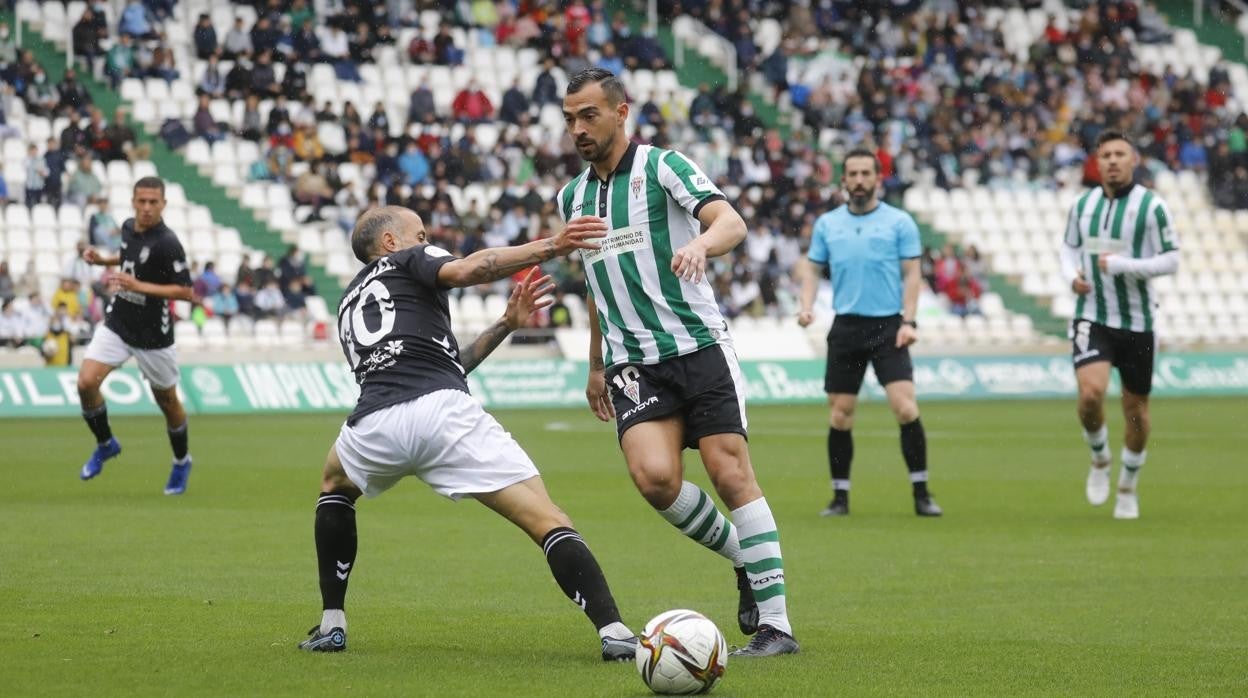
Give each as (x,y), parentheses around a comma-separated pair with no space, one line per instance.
(1136,225)
(650,203)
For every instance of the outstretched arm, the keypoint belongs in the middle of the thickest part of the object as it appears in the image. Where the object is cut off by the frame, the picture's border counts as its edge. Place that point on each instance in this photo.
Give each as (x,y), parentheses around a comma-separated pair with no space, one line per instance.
(94,256)
(528,296)
(494,263)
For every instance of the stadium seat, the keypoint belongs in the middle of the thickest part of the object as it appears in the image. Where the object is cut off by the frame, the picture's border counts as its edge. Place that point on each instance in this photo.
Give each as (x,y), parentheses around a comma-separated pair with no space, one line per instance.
(214,333)
(266,332)
(282,219)
(318,311)
(310,241)
(472,308)
(292,333)
(175,218)
(43,218)
(46,239)
(197,152)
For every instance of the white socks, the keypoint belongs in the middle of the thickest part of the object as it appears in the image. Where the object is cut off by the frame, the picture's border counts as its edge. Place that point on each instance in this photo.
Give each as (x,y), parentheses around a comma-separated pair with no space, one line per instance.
(1131,464)
(1098,442)
(333,618)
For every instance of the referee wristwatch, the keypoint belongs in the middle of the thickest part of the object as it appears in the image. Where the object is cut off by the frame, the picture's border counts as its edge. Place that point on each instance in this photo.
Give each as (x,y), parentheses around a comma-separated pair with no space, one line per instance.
(911,323)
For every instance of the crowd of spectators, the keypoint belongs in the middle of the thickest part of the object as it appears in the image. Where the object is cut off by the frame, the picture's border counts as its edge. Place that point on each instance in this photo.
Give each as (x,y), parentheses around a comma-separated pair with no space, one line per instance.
(55,324)
(938,92)
(265,291)
(959,275)
(960,106)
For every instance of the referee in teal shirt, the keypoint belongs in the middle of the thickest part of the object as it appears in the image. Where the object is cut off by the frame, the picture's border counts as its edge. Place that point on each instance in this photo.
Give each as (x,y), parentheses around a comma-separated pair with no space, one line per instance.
(872,251)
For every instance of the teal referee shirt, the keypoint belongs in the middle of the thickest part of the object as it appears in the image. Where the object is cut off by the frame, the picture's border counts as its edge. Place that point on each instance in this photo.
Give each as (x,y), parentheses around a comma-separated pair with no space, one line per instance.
(863,254)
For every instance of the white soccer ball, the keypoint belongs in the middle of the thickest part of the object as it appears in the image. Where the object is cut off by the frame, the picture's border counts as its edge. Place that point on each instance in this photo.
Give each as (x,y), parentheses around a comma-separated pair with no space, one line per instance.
(681,652)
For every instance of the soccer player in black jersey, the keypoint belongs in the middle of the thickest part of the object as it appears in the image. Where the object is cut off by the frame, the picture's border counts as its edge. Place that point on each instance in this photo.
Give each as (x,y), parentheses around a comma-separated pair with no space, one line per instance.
(138,323)
(415,416)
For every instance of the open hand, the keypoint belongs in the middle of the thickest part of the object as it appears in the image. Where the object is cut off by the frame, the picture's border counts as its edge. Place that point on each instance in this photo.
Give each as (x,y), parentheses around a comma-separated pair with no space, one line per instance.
(581,233)
(123,282)
(598,396)
(689,262)
(906,335)
(529,296)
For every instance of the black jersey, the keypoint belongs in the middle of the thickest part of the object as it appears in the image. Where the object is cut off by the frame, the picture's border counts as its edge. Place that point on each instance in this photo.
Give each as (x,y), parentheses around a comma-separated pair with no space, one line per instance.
(394,324)
(154,256)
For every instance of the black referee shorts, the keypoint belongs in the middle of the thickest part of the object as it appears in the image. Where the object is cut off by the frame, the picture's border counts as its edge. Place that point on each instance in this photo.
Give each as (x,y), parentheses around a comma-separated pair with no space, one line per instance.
(856,340)
(1132,353)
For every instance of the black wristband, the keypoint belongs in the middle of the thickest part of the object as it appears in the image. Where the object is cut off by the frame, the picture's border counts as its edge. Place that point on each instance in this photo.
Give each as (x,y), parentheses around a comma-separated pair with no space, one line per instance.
(911,323)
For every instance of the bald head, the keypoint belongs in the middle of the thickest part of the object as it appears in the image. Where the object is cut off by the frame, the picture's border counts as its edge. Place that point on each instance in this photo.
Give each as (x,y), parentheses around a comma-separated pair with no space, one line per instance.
(386,229)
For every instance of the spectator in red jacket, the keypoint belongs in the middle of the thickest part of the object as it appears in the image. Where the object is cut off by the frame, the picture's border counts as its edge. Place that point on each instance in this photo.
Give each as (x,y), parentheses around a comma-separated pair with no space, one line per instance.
(471,104)
(964,295)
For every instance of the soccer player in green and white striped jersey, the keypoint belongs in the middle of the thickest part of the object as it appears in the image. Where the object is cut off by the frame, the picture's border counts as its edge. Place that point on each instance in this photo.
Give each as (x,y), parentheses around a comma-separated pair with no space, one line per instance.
(1118,236)
(659,342)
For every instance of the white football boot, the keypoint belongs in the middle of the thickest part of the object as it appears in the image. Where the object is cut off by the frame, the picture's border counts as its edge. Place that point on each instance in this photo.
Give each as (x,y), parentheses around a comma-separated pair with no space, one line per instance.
(1127,505)
(1098,482)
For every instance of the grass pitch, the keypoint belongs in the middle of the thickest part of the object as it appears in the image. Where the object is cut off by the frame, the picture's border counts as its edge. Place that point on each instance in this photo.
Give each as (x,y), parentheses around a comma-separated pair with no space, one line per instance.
(111,588)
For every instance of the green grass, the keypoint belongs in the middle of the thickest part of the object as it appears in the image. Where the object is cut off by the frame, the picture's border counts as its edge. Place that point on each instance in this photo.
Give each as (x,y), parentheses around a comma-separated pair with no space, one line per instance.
(108,587)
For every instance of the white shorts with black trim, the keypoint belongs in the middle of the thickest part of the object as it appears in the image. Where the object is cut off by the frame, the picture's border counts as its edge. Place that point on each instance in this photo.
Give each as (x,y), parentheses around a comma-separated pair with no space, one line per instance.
(445,438)
(159,366)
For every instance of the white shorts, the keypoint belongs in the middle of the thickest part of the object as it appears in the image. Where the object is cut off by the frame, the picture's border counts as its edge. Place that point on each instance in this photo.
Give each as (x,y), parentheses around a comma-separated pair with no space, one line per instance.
(444,438)
(159,366)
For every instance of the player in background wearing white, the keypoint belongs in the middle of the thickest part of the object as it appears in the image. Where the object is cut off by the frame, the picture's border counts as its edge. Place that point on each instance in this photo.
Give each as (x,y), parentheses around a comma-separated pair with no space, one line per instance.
(672,372)
(138,323)
(415,416)
(1118,236)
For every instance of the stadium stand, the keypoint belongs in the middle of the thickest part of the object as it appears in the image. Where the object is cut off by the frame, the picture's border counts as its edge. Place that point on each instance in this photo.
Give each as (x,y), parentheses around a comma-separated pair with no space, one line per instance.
(306,116)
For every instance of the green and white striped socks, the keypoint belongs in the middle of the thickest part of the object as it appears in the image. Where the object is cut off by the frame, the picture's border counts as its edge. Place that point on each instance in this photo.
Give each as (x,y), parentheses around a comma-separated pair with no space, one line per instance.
(760,550)
(695,514)
(1131,464)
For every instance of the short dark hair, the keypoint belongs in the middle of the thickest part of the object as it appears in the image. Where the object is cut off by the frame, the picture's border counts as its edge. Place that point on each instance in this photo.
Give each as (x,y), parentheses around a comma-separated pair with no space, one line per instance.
(368,230)
(150,183)
(1110,134)
(611,85)
(861,153)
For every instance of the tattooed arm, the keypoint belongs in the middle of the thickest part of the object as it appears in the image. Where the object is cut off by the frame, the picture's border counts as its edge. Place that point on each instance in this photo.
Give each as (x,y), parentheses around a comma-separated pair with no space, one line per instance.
(486,342)
(494,263)
(528,296)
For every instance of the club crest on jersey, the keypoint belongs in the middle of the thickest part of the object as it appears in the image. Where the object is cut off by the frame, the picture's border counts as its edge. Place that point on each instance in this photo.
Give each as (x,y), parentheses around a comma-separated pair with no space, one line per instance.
(144,254)
(636,184)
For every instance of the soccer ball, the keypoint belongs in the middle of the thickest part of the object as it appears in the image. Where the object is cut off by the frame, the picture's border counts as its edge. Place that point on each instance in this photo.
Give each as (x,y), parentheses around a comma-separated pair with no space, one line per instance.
(681,652)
